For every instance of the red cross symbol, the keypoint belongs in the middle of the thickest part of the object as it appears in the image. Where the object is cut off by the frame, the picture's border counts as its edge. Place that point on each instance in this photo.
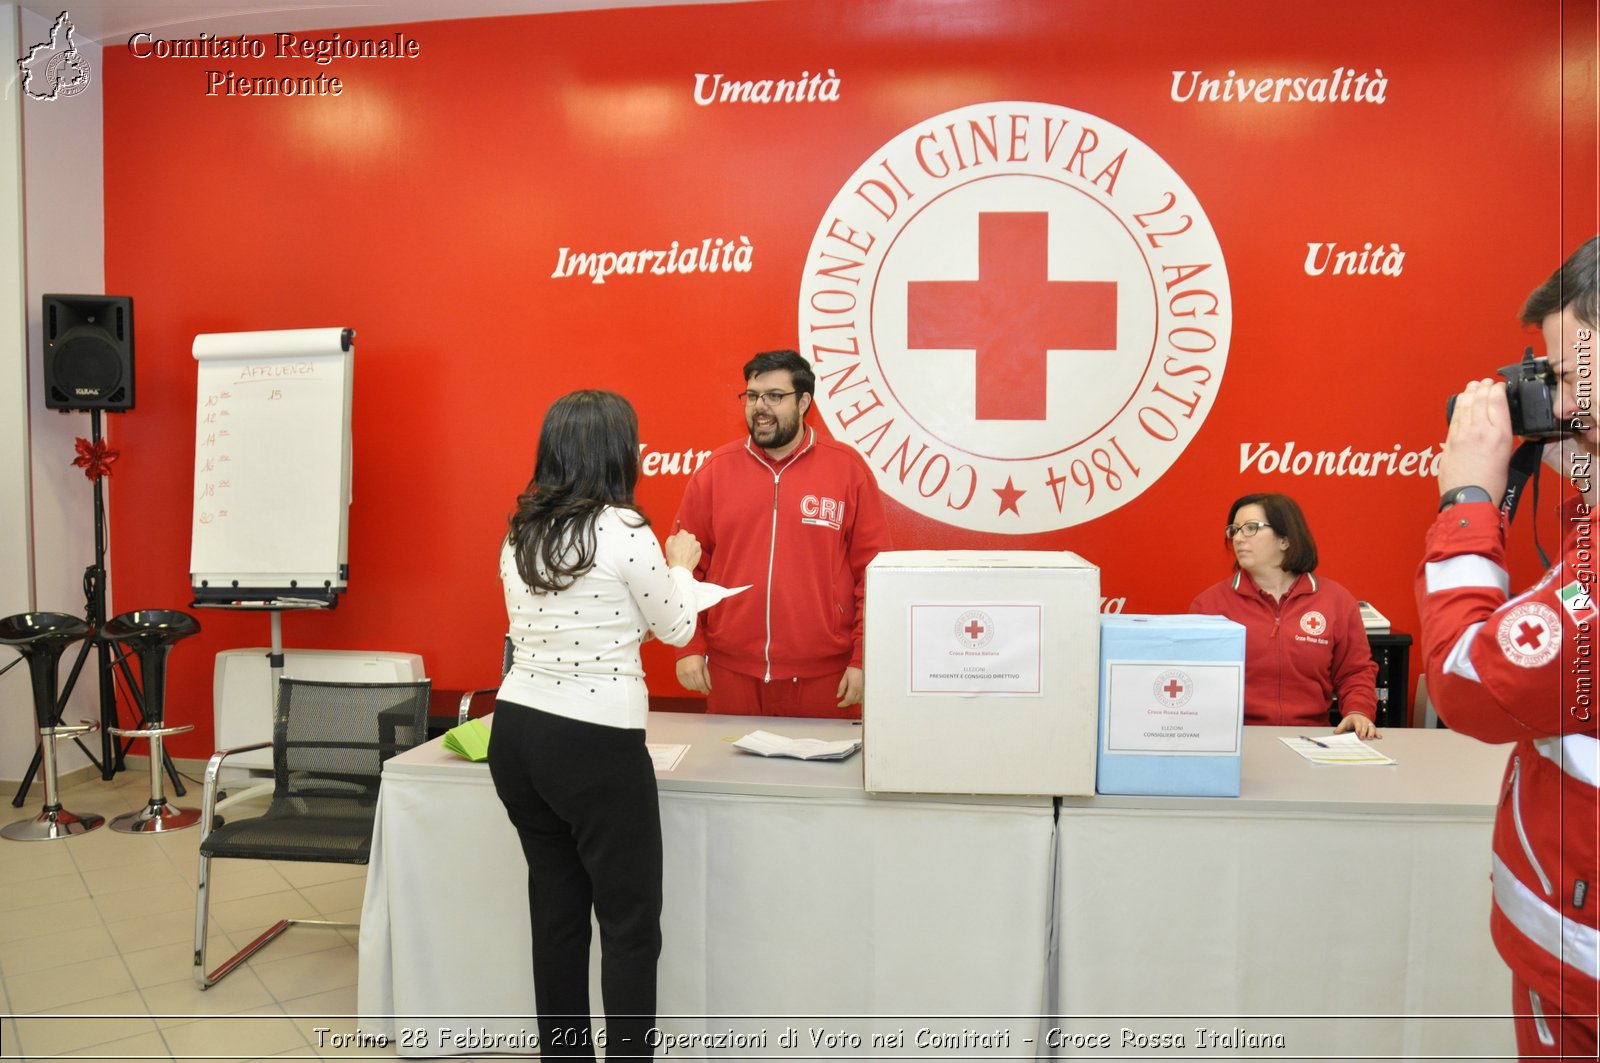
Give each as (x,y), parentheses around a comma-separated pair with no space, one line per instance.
(1173,689)
(1530,635)
(973,630)
(1012,315)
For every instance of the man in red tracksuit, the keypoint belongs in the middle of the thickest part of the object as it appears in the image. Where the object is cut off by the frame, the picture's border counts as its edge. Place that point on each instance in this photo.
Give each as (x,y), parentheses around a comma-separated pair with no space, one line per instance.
(1521,669)
(796,518)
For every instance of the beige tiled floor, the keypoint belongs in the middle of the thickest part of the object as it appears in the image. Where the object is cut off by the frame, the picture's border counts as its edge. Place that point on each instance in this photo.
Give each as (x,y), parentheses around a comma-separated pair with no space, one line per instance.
(96,941)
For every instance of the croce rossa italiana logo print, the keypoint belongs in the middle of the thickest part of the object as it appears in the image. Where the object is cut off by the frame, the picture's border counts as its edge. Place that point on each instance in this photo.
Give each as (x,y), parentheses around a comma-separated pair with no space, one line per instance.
(1018,314)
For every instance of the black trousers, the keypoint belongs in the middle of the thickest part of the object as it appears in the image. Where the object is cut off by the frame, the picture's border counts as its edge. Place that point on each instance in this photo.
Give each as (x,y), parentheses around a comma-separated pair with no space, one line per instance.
(582,797)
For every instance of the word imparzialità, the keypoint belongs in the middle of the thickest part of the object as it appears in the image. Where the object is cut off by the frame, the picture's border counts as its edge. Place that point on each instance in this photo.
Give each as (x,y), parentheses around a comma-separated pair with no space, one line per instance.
(1342,86)
(807,88)
(708,256)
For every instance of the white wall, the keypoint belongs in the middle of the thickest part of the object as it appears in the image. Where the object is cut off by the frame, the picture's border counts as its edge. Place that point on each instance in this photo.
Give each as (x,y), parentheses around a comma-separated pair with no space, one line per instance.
(63,213)
(16,531)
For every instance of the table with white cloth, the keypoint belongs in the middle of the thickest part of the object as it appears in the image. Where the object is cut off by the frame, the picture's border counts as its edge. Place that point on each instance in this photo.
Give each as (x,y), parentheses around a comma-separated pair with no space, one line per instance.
(1356,898)
(793,901)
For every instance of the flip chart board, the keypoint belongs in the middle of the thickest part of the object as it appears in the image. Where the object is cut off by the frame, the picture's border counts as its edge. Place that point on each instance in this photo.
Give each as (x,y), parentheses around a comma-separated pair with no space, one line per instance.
(271,464)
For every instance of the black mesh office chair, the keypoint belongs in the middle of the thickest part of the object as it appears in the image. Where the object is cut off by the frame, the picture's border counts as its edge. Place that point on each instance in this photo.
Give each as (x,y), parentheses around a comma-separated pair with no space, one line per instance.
(473,702)
(329,742)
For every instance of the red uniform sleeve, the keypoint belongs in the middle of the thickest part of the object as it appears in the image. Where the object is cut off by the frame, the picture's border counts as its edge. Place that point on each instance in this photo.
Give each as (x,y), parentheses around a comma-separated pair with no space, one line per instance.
(1355,673)
(1206,604)
(869,535)
(694,516)
(1501,668)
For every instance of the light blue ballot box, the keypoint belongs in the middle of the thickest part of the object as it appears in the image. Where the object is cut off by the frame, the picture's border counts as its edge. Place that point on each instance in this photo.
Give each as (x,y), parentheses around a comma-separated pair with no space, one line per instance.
(1171,705)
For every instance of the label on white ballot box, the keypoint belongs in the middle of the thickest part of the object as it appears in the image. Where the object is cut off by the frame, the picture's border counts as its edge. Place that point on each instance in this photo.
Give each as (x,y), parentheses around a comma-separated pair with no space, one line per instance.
(1176,708)
(976,649)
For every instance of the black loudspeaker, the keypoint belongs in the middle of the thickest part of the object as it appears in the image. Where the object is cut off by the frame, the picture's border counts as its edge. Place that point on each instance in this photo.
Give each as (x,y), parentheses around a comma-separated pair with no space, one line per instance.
(88,352)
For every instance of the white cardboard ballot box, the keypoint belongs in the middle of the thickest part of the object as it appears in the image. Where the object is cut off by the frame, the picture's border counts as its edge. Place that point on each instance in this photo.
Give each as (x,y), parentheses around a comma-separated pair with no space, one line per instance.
(981,672)
(1171,705)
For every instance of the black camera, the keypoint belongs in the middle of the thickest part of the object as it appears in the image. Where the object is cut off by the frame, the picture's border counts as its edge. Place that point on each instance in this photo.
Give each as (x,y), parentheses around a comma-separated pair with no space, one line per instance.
(1530,393)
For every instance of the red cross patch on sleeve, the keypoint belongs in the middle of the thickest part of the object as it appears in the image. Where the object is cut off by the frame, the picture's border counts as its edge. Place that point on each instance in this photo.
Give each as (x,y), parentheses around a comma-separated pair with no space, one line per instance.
(1530,634)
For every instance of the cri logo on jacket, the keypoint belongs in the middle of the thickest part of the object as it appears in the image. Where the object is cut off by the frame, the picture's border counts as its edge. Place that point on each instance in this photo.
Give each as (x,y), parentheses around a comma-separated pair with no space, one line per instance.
(827,512)
(1313,623)
(1529,634)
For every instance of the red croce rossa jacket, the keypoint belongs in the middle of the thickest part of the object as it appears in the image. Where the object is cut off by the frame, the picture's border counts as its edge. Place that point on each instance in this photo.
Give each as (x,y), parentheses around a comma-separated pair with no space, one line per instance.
(799,533)
(1521,669)
(1299,651)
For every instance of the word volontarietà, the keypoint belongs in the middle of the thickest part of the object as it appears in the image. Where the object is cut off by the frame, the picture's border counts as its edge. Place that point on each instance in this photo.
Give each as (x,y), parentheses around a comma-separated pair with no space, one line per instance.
(1289,459)
(320,51)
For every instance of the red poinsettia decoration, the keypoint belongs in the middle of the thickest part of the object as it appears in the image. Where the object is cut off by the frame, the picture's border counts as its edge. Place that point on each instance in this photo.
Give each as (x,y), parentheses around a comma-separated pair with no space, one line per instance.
(95,458)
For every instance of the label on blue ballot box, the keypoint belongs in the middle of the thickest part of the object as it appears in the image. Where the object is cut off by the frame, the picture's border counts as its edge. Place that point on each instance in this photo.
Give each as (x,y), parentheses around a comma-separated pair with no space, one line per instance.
(1172,707)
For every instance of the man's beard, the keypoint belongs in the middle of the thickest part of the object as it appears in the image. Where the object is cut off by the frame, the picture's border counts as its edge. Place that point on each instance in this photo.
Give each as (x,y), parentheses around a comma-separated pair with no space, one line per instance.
(782,433)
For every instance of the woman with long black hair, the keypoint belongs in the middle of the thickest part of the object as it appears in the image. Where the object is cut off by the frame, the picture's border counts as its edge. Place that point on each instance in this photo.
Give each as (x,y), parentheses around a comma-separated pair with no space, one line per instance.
(585,583)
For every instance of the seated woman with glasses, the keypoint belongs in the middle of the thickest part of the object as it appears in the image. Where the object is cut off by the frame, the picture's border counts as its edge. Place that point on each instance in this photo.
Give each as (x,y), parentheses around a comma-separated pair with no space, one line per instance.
(1304,640)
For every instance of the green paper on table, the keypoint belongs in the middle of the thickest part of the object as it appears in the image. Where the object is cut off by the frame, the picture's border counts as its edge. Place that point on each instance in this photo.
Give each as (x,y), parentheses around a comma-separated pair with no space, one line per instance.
(469,740)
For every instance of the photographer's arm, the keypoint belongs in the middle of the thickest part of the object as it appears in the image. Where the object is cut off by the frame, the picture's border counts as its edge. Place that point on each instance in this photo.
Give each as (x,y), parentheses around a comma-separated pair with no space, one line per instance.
(1477,448)
(1498,667)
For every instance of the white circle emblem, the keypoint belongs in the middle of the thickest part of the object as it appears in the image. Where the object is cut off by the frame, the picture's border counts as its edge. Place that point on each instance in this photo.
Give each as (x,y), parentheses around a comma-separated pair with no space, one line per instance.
(974,629)
(1530,635)
(1173,688)
(1018,314)
(1313,623)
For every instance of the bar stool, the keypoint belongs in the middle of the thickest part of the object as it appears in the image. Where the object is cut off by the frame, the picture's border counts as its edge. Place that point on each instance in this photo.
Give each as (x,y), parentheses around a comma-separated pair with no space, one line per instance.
(150,633)
(41,638)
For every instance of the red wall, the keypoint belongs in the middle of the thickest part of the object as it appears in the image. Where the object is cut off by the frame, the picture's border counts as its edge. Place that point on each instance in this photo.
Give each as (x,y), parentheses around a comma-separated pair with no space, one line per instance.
(425,206)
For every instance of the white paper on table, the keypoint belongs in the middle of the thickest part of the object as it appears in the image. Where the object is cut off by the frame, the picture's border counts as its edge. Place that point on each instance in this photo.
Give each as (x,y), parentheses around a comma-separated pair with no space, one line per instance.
(708,594)
(664,756)
(767,744)
(1337,749)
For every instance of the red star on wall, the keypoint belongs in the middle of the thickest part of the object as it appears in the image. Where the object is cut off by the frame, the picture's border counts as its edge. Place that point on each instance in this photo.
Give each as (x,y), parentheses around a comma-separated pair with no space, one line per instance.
(1009,494)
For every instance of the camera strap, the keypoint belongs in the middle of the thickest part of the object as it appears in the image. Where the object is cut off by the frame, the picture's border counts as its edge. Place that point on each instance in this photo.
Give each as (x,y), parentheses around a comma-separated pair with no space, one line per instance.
(1525,463)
